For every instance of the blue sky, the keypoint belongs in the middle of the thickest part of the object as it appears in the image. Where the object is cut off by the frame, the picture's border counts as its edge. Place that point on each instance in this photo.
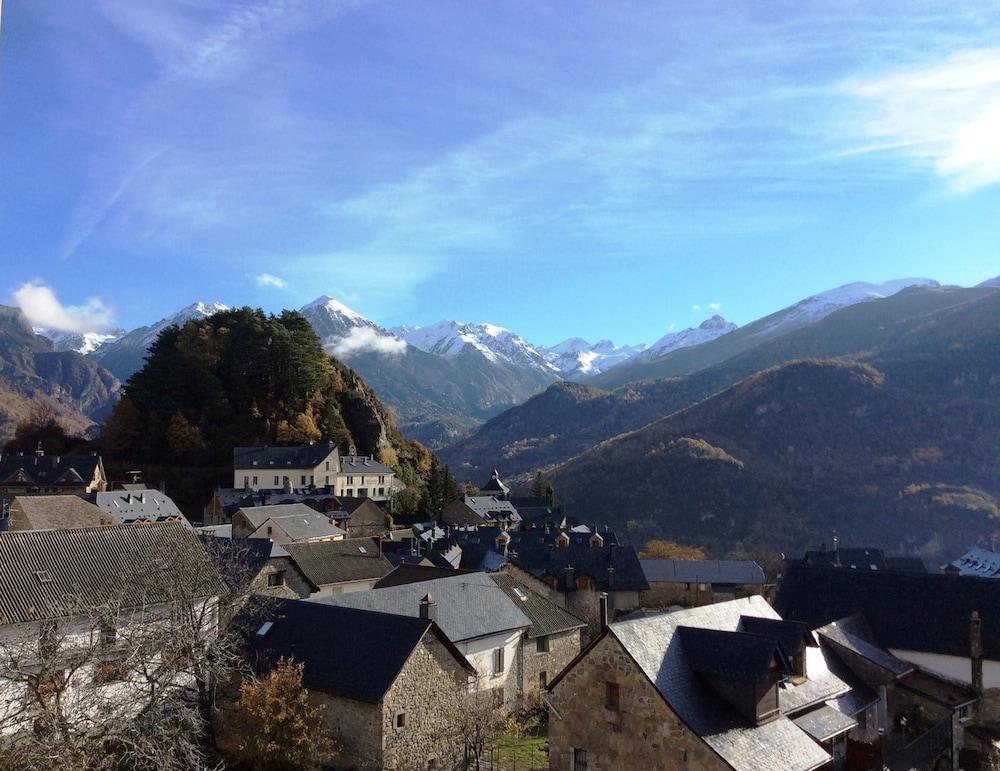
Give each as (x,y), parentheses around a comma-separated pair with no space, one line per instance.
(564,168)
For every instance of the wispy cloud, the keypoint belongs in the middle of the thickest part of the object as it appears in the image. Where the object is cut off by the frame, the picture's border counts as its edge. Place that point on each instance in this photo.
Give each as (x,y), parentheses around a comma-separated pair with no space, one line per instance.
(43,309)
(696,307)
(714,306)
(944,115)
(368,339)
(268,279)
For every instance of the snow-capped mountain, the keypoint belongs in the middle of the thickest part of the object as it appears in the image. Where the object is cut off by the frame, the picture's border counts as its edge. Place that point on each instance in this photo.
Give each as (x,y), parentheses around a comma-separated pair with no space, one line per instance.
(708,330)
(577,358)
(81,342)
(344,331)
(124,355)
(496,344)
(821,305)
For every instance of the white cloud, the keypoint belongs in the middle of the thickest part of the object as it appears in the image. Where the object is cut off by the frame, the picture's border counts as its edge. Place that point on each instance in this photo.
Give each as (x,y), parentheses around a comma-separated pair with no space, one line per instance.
(367,339)
(43,309)
(268,279)
(714,306)
(696,307)
(944,116)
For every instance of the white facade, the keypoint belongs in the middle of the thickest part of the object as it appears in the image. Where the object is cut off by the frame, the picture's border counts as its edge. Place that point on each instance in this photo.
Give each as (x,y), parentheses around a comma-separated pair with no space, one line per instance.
(344,587)
(351,475)
(954,667)
(481,652)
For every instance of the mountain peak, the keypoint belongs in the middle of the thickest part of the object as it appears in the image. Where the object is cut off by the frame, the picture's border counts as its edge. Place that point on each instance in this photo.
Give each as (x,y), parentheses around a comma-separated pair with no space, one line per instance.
(715,322)
(334,307)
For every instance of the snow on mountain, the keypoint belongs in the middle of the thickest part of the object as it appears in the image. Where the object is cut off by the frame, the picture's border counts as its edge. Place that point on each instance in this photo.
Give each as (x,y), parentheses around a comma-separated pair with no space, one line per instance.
(344,331)
(81,342)
(708,330)
(576,357)
(819,306)
(496,344)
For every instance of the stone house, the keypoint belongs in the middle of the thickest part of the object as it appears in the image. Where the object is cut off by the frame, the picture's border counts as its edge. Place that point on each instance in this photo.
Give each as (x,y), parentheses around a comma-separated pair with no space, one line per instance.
(333,568)
(475,614)
(690,583)
(390,708)
(286,523)
(549,644)
(54,512)
(38,473)
(265,567)
(723,686)
(83,596)
(364,518)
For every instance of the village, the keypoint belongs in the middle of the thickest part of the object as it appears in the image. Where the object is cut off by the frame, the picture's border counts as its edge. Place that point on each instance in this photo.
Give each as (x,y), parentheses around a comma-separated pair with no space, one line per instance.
(298,626)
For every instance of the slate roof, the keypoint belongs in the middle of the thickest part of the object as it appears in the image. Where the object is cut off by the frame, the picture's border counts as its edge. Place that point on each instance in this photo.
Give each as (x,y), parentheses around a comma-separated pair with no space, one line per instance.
(459,513)
(824,723)
(317,635)
(896,606)
(350,464)
(491,508)
(55,512)
(131,505)
(793,635)
(585,560)
(731,654)
(89,567)
(468,605)
(333,562)
(230,499)
(495,485)
(703,571)
(405,573)
(862,559)
(979,562)
(301,456)
(778,745)
(851,634)
(299,521)
(546,617)
(35,470)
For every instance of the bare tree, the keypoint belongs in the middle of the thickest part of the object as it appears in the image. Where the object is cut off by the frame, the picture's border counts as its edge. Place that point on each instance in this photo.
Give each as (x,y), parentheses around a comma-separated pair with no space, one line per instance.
(129,680)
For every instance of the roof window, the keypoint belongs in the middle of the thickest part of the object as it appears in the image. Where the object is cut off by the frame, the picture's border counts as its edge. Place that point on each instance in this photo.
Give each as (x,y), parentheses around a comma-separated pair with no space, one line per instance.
(265,628)
(43,576)
(521,594)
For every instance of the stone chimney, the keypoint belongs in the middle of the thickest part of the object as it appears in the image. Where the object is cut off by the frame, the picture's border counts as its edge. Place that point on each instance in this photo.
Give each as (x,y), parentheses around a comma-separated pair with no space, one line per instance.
(428,608)
(976,655)
(603,606)
(570,577)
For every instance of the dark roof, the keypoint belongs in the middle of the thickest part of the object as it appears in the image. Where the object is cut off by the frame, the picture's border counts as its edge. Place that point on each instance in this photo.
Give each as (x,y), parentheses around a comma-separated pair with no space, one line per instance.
(322,499)
(301,456)
(333,562)
(896,606)
(853,635)
(825,722)
(34,470)
(406,573)
(89,567)
(793,635)
(585,560)
(468,605)
(495,484)
(458,513)
(377,645)
(362,463)
(546,617)
(729,654)
(862,559)
(704,571)
(491,508)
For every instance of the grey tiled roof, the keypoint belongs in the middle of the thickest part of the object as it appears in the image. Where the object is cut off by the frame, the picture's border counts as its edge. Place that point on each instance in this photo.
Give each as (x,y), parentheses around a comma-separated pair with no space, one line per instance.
(36,470)
(468,606)
(333,562)
(546,617)
(301,456)
(132,505)
(703,571)
(362,464)
(299,521)
(45,512)
(821,684)
(491,508)
(89,567)
(851,634)
(824,723)
(979,562)
(778,745)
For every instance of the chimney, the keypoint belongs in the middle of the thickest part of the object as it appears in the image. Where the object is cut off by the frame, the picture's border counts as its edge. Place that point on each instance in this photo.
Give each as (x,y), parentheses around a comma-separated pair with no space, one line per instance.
(570,576)
(603,603)
(428,608)
(611,577)
(976,653)
(39,451)
(380,545)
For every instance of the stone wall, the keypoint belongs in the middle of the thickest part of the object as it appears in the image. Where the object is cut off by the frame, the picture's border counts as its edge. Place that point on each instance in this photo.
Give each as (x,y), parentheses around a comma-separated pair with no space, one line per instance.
(367,521)
(355,728)
(562,649)
(427,692)
(642,733)
(663,594)
(295,587)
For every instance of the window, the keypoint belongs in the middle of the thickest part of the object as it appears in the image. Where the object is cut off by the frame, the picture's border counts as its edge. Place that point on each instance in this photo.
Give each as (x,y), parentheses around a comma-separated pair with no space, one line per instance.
(542,644)
(277,578)
(327,483)
(327,467)
(381,479)
(277,481)
(255,481)
(543,679)
(401,720)
(498,662)
(246,481)
(613,696)
(350,480)
(381,491)
(583,582)
(269,530)
(350,493)
(303,479)
(963,712)
(579,760)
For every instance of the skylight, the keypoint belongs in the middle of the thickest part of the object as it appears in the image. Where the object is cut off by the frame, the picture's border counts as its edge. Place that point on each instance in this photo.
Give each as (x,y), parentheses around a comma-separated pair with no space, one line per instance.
(265,628)
(522,595)
(43,576)
(362,550)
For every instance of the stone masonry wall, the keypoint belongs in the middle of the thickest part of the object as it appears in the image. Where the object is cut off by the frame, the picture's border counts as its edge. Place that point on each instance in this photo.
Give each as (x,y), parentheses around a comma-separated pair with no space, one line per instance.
(643,734)
(431,686)
(295,587)
(563,648)
(354,727)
